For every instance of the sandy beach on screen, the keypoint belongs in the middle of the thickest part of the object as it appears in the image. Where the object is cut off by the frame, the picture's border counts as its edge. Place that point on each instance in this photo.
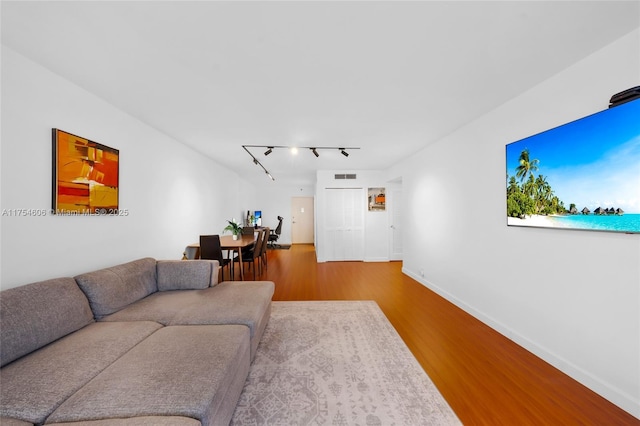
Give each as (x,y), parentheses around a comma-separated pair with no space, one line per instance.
(533,220)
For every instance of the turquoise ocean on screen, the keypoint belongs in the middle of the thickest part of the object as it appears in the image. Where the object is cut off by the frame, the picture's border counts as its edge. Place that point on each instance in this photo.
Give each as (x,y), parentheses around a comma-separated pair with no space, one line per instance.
(625,223)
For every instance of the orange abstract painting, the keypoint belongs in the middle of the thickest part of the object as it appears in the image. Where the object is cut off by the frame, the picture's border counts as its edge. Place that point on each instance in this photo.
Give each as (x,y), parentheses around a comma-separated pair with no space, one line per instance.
(85,175)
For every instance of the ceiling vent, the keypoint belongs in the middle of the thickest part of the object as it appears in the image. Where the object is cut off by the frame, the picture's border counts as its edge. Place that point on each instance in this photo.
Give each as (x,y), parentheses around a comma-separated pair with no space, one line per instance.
(345,176)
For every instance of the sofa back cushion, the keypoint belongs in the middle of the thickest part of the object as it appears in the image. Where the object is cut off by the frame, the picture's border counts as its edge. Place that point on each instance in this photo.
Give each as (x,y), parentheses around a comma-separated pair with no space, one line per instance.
(111,289)
(186,274)
(37,314)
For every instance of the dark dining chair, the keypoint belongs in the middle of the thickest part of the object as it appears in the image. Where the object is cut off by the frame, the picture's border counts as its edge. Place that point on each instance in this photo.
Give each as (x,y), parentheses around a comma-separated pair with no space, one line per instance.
(252,255)
(263,250)
(248,230)
(210,248)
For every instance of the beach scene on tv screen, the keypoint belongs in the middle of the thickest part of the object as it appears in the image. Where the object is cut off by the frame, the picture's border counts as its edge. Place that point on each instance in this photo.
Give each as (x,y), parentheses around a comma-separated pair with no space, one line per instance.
(581,175)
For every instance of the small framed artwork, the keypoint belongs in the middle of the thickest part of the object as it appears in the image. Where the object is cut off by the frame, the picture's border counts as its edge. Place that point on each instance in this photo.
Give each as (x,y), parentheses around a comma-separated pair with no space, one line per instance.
(376,199)
(85,176)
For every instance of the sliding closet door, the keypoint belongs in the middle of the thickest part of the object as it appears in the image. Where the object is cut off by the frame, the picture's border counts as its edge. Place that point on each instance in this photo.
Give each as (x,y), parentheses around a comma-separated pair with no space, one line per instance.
(344,223)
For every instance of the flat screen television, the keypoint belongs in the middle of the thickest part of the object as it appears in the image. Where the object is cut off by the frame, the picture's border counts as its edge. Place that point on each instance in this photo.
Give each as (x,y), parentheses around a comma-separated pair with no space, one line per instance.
(582,175)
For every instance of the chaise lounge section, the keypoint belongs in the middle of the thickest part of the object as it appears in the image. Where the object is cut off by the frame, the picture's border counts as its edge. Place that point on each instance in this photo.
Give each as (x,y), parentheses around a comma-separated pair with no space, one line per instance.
(143,343)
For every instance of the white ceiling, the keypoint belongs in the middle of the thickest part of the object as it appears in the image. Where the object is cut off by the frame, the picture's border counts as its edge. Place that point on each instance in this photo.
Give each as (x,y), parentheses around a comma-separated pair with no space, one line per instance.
(388,77)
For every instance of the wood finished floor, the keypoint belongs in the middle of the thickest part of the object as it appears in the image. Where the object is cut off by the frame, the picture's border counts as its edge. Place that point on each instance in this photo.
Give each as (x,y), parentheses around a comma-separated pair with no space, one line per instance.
(486,378)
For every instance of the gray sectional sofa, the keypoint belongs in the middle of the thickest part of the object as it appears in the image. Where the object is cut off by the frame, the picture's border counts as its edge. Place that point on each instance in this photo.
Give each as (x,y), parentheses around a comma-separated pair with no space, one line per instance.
(143,343)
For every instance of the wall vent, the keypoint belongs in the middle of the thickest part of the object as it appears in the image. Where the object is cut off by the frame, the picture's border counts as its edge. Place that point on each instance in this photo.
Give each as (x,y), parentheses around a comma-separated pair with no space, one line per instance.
(345,176)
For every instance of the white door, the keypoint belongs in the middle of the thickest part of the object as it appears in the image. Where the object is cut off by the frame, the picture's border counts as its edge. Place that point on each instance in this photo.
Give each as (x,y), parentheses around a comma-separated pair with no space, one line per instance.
(302,222)
(394,204)
(344,227)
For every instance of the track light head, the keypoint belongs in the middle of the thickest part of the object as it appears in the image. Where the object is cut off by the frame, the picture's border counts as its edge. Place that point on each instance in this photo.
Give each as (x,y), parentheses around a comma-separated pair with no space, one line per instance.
(292,149)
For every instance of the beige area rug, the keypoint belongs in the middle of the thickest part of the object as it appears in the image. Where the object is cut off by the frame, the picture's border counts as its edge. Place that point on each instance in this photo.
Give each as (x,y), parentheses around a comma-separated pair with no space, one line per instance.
(337,363)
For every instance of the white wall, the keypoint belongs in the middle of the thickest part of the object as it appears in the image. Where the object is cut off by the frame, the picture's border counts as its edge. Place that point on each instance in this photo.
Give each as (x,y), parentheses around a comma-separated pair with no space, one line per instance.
(274,199)
(376,224)
(172,193)
(571,297)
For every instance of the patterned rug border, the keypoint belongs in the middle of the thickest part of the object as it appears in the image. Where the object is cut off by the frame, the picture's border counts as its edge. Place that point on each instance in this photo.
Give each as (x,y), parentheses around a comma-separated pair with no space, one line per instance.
(338,362)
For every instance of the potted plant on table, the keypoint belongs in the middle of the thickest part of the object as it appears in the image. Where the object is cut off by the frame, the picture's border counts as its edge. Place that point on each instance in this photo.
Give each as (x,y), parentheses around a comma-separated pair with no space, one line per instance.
(234,227)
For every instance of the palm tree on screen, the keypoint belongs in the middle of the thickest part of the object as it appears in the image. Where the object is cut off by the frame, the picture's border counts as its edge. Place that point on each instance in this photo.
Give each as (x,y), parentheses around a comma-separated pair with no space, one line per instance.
(527,166)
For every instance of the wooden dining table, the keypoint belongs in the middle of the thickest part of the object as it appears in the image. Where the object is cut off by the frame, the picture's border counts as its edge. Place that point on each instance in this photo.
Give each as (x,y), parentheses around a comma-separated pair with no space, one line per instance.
(228,243)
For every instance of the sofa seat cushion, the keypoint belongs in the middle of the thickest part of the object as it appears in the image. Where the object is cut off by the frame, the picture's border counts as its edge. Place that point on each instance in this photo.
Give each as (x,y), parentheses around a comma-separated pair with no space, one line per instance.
(37,314)
(36,384)
(160,307)
(111,289)
(190,371)
(230,302)
(136,421)
(7,421)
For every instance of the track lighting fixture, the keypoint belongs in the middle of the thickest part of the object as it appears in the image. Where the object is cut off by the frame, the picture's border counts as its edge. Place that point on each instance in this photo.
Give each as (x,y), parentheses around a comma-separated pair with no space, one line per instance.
(257,163)
(293,150)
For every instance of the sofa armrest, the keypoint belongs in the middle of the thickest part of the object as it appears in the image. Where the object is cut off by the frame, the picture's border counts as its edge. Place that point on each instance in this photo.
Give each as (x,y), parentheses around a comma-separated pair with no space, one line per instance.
(186,274)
